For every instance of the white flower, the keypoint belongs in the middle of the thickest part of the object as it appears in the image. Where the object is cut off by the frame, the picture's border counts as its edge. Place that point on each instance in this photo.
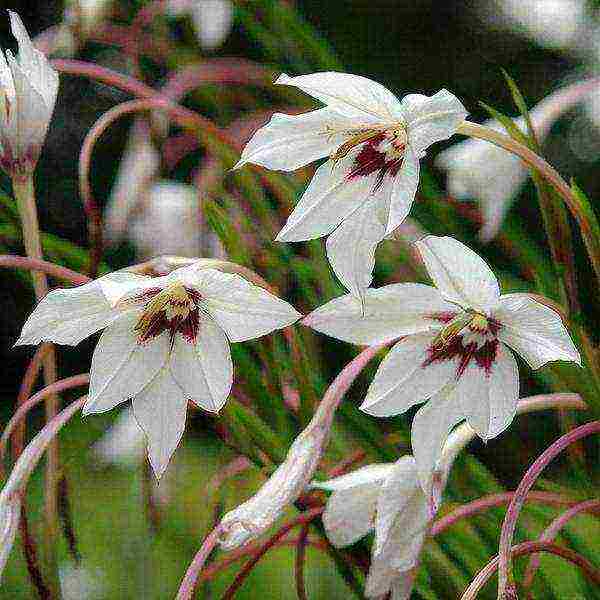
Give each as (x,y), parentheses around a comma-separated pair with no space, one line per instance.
(28,89)
(374,142)
(482,171)
(560,24)
(80,583)
(165,341)
(212,19)
(172,206)
(386,498)
(124,443)
(455,346)
(138,168)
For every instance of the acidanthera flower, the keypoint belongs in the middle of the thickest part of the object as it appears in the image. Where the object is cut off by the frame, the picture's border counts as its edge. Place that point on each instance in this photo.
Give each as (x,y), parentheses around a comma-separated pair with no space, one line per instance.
(478,170)
(386,498)
(28,89)
(212,19)
(165,341)
(454,348)
(373,142)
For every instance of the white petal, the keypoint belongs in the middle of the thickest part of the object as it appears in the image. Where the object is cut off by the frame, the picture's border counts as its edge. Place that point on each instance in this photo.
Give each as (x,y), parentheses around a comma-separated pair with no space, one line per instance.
(382,579)
(243,310)
(534,330)
(432,119)
(397,494)
(121,366)
(123,444)
(331,197)
(351,95)
(350,511)
(402,380)
(213,20)
(402,585)
(67,316)
(489,400)
(460,274)
(34,63)
(389,313)
(288,142)
(430,428)
(404,190)
(370,475)
(122,284)
(204,371)
(351,248)
(349,514)
(160,410)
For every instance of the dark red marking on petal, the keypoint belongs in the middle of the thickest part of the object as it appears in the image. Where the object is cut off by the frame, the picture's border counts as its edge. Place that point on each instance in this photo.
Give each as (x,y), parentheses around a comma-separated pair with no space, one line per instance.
(370,160)
(484,355)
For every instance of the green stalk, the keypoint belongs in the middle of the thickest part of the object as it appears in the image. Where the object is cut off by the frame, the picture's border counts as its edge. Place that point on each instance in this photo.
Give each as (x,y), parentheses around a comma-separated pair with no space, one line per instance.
(25,195)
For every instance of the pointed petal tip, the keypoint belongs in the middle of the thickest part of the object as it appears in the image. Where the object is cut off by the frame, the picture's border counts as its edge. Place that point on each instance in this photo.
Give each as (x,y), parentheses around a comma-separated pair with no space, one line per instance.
(282,79)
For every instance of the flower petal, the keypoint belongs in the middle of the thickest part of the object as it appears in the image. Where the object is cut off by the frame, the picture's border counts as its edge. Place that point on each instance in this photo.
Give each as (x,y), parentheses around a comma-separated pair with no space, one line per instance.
(430,428)
(431,119)
(402,380)
(460,274)
(399,491)
(389,313)
(160,410)
(370,475)
(350,511)
(288,142)
(243,310)
(121,367)
(67,316)
(351,248)
(489,400)
(204,371)
(352,96)
(123,444)
(534,330)
(330,198)
(213,20)
(404,190)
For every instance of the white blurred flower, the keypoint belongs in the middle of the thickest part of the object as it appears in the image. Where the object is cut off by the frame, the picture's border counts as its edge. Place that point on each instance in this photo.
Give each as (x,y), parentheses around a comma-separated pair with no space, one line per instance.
(165,341)
(137,169)
(482,171)
(558,24)
(124,444)
(28,90)
(374,143)
(386,498)
(172,206)
(212,19)
(80,583)
(454,348)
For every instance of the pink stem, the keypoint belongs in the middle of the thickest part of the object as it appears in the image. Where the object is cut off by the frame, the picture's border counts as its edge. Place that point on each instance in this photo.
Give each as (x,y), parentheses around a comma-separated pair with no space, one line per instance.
(482,504)
(512,514)
(550,533)
(186,589)
(221,71)
(21,412)
(34,264)
(529,548)
(235,467)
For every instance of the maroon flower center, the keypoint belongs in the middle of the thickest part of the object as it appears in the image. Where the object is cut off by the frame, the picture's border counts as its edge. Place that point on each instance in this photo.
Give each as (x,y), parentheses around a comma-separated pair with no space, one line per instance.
(174,309)
(382,154)
(468,337)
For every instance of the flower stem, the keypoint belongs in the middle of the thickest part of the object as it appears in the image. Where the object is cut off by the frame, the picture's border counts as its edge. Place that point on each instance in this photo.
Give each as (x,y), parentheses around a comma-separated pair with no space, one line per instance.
(25,195)
(547,172)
